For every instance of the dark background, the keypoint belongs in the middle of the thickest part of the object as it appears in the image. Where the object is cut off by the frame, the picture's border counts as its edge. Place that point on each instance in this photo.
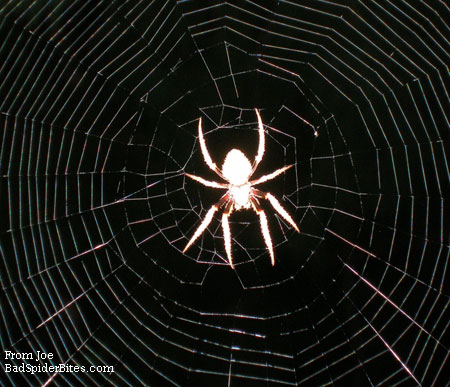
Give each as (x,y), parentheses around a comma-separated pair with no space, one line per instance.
(99,107)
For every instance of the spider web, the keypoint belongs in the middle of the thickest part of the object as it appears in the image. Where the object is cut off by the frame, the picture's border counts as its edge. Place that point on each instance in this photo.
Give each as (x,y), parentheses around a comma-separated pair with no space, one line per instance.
(100,103)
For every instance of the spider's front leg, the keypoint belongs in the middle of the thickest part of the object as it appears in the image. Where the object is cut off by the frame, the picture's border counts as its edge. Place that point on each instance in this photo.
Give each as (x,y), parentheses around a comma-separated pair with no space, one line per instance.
(227,232)
(207,220)
(277,206)
(264,228)
(263,218)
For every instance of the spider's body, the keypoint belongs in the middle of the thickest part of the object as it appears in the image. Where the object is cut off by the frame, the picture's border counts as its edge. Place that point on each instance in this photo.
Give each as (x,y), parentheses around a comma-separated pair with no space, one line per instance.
(236,168)
(237,171)
(240,194)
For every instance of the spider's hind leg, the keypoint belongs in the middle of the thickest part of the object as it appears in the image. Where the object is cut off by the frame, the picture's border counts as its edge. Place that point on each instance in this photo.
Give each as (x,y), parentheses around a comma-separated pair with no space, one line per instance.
(261,144)
(206,156)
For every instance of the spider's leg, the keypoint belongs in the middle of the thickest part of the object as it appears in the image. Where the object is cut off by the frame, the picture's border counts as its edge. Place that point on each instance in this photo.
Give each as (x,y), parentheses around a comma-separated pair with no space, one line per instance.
(206,221)
(264,228)
(204,150)
(271,176)
(278,207)
(261,145)
(227,232)
(208,183)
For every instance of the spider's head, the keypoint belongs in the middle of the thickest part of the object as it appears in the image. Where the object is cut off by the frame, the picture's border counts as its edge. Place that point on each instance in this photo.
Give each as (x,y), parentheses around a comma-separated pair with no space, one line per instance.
(236,167)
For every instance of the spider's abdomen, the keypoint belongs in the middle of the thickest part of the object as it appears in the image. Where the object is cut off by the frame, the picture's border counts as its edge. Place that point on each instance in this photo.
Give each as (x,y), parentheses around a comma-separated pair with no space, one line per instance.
(240,195)
(236,167)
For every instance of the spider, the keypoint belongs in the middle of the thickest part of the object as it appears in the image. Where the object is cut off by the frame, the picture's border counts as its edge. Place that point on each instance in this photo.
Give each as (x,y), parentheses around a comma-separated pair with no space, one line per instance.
(241,194)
